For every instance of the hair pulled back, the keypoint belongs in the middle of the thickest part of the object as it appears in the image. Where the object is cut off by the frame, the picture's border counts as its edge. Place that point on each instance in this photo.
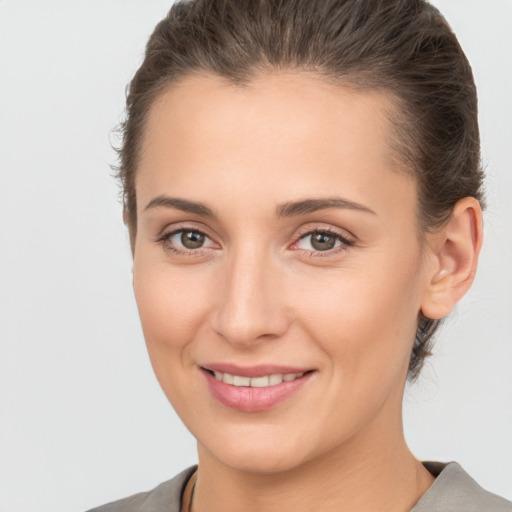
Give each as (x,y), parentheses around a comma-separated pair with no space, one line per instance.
(402,47)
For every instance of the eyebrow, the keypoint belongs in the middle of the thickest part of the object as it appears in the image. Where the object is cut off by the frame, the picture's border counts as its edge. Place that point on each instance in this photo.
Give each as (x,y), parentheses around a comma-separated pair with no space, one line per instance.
(181,204)
(312,205)
(289,209)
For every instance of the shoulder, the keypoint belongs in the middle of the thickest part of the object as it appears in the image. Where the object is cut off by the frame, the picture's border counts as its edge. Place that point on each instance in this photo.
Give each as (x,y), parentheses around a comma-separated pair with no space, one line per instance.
(166,496)
(454,490)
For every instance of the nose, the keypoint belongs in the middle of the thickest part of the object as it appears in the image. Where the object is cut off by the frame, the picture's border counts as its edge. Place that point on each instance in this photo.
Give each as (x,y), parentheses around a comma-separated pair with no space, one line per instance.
(251,300)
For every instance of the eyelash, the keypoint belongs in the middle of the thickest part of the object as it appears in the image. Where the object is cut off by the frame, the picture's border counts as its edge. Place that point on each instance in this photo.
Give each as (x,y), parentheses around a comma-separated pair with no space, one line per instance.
(345,242)
(166,237)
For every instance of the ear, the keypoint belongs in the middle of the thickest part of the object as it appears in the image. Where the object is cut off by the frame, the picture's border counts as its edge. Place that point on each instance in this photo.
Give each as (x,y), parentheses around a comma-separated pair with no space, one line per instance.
(454,254)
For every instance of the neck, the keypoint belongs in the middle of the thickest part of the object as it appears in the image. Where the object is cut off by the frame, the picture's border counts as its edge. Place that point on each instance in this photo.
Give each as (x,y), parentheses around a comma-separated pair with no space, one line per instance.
(375,471)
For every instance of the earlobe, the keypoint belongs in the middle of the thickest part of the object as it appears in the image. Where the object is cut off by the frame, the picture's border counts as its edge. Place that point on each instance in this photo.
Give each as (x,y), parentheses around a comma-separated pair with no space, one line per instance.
(454,251)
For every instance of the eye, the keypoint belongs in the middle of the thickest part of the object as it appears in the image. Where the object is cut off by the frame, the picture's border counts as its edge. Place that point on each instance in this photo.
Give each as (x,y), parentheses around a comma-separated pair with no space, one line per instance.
(190,239)
(185,240)
(322,241)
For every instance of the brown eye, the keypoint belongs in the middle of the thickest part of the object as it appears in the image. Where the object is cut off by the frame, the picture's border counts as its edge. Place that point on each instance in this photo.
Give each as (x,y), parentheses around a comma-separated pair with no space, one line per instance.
(186,241)
(323,241)
(192,239)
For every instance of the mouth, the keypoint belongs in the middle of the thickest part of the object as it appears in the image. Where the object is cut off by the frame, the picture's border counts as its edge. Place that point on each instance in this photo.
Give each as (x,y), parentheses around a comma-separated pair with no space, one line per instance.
(262,381)
(254,389)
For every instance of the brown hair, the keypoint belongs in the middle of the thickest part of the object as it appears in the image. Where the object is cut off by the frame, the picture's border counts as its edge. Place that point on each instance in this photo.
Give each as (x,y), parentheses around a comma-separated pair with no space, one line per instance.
(402,47)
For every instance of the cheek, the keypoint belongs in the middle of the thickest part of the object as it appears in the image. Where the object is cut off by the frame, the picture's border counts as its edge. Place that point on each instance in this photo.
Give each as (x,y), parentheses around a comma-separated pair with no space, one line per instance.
(365,321)
(364,325)
(171,302)
(172,305)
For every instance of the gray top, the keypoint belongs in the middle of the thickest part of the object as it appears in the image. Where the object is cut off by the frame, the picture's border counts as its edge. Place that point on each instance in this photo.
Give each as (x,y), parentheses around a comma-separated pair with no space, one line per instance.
(452,491)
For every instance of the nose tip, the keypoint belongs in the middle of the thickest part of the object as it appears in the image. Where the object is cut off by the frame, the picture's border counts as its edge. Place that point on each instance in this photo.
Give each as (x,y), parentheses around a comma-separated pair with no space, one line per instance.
(245,319)
(250,306)
(243,333)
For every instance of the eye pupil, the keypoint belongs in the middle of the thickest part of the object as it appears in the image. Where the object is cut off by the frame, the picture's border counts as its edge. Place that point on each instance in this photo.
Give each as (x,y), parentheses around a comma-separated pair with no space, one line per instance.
(323,241)
(192,239)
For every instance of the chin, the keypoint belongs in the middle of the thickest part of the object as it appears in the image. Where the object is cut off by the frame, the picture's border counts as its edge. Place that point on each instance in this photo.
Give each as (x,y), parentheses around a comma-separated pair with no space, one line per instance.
(256,453)
(259,463)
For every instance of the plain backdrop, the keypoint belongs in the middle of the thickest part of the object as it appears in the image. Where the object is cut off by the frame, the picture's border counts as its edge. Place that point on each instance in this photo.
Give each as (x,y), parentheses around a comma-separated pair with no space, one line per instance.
(83,420)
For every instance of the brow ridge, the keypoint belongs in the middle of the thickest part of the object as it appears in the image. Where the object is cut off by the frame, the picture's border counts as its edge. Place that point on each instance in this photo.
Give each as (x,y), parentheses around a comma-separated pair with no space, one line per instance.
(288,209)
(184,205)
(305,206)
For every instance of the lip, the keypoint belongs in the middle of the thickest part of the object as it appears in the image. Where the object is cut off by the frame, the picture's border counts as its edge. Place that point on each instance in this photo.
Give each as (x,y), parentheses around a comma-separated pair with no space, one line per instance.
(249,399)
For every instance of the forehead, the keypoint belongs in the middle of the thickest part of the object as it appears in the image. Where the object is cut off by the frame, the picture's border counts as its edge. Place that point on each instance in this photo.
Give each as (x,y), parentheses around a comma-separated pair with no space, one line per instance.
(282,133)
(299,107)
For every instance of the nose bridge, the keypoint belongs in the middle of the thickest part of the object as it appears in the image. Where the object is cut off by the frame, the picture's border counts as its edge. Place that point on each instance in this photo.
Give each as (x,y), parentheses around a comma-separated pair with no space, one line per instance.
(249,307)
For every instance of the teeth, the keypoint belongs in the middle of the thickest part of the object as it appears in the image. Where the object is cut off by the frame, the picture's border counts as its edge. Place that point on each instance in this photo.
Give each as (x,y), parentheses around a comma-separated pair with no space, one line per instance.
(256,382)
(275,379)
(227,378)
(241,381)
(259,382)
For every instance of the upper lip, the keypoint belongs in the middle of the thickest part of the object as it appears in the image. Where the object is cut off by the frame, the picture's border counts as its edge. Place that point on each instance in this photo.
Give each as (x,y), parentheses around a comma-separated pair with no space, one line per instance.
(254,371)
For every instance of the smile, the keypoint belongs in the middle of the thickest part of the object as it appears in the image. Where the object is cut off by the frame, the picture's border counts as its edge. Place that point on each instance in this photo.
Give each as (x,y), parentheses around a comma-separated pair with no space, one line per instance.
(256,382)
(257,389)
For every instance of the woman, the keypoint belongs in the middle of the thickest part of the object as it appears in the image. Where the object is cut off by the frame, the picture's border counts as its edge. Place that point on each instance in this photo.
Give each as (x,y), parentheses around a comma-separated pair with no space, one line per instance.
(302,189)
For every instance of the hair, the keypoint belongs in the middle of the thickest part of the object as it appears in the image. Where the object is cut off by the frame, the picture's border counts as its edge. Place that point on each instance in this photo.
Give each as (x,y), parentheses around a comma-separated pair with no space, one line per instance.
(404,48)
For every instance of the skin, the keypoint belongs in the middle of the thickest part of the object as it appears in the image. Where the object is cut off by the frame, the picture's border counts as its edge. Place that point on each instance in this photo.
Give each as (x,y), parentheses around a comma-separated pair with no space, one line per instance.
(258,292)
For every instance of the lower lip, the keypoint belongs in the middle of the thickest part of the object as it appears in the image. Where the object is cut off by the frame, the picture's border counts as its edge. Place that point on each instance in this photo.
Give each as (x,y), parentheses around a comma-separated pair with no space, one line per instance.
(248,399)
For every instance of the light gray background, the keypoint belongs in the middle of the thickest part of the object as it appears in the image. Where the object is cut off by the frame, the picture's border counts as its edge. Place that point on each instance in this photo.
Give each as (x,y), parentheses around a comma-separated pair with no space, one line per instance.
(83,419)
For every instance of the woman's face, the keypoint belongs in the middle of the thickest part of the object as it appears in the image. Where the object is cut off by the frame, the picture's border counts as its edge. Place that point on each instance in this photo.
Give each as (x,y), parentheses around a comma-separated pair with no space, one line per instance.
(277,237)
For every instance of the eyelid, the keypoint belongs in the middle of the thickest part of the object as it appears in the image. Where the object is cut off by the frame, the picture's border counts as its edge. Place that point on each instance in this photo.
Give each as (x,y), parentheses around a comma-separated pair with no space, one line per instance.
(308,229)
(346,238)
(173,229)
(176,227)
